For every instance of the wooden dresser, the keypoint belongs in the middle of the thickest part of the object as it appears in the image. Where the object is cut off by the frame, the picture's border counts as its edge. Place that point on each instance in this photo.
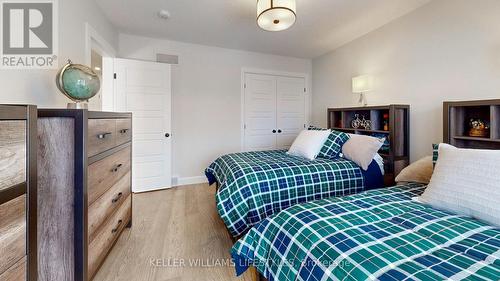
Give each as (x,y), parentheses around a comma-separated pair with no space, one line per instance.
(18,201)
(85,185)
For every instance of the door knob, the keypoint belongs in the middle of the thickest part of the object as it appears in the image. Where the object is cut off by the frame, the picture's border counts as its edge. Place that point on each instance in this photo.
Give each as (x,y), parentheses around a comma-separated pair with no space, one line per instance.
(167,135)
(274,131)
(279,131)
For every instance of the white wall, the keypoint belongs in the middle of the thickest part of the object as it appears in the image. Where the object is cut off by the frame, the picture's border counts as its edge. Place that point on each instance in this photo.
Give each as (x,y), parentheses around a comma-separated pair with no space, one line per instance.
(445,50)
(38,86)
(206,91)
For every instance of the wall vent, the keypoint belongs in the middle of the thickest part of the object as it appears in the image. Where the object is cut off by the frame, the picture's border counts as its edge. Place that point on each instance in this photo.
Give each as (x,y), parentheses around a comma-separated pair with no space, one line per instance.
(170,59)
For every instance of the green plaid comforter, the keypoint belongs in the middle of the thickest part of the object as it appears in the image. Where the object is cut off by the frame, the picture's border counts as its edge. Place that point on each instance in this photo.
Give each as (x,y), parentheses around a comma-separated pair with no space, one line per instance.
(255,185)
(376,235)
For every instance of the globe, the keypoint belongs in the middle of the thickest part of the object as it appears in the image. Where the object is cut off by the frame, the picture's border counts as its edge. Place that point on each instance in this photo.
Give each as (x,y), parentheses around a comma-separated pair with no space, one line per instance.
(78,82)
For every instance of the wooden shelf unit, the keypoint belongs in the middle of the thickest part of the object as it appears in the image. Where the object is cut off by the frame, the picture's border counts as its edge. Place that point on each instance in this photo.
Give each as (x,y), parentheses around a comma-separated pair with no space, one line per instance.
(397,155)
(457,115)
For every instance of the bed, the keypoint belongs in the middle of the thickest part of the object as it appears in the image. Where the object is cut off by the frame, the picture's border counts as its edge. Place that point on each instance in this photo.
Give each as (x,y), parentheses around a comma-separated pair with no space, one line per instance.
(380,234)
(255,185)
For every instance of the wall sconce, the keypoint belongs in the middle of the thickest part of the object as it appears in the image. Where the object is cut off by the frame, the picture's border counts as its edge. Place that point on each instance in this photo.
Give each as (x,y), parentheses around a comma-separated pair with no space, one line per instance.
(361,85)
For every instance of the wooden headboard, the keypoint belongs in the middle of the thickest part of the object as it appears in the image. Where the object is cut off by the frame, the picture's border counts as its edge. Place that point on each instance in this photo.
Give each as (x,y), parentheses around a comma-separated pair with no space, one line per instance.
(389,121)
(456,128)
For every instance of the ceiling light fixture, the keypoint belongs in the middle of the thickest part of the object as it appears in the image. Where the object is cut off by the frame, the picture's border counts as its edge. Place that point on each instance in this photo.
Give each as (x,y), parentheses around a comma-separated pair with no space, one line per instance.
(164,14)
(276,15)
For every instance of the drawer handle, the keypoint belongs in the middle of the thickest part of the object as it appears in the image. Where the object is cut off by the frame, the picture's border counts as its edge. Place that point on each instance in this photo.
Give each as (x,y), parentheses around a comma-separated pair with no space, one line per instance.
(124,131)
(116,168)
(117,227)
(117,198)
(103,135)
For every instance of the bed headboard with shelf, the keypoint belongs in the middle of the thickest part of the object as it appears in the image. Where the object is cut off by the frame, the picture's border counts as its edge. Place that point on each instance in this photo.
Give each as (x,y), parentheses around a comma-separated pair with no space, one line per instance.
(456,126)
(389,121)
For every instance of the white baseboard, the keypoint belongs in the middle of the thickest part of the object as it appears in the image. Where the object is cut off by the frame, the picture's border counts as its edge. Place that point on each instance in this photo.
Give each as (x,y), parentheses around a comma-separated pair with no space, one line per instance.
(150,190)
(189,180)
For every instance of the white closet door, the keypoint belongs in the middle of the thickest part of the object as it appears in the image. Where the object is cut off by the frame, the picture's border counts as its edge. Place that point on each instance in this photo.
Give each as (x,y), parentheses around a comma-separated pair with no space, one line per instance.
(260,112)
(291,112)
(143,88)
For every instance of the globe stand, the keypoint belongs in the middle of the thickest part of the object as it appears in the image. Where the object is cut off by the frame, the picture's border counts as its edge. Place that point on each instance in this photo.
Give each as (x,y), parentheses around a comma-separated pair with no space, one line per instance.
(79,83)
(78,105)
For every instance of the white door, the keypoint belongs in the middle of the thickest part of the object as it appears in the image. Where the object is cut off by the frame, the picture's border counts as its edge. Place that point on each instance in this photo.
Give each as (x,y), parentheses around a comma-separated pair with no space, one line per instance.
(275,111)
(260,112)
(143,88)
(290,110)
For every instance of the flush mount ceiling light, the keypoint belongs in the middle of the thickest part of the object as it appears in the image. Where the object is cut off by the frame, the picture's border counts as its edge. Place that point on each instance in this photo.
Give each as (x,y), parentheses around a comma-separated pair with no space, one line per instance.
(276,15)
(164,14)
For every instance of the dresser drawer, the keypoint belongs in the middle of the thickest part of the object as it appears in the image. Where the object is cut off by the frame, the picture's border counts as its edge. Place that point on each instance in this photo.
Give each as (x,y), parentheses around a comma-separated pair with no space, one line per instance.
(106,172)
(12,232)
(123,131)
(12,153)
(101,135)
(107,234)
(16,272)
(103,207)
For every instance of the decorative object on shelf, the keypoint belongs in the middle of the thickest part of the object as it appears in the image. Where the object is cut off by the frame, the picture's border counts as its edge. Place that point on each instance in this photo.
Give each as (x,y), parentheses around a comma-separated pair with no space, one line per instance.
(478,128)
(386,121)
(367,124)
(77,82)
(362,85)
(361,123)
(276,15)
(339,123)
(356,123)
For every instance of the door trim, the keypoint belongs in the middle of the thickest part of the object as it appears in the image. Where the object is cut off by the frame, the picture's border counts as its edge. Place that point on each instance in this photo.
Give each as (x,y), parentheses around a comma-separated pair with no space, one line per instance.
(246,70)
(94,41)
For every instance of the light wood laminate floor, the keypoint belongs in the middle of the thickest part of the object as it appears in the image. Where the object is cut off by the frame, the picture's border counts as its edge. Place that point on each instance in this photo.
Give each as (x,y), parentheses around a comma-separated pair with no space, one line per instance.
(171,227)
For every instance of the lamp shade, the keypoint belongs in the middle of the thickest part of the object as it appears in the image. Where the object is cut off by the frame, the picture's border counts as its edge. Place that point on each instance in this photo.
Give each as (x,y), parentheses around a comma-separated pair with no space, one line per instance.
(362,84)
(276,15)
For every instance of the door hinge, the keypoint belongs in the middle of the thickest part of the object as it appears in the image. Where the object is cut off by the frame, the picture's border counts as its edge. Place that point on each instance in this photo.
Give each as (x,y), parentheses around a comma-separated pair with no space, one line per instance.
(114,75)
(245,85)
(304,90)
(304,126)
(245,126)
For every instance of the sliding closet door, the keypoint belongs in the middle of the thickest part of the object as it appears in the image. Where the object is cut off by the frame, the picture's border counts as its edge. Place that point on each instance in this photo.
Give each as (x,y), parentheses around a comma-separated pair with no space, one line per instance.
(291,112)
(260,112)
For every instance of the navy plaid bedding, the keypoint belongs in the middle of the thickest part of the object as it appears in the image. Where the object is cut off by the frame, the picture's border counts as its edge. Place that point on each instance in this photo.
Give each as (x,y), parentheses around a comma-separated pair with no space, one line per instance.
(376,235)
(255,185)
(332,148)
(435,154)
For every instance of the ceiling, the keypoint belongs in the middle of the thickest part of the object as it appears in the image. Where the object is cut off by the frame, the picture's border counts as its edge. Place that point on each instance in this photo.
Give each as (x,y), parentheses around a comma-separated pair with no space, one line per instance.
(322,25)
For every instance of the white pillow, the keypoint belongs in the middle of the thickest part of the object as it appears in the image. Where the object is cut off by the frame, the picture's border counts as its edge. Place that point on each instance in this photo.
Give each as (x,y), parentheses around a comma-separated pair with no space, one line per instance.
(380,162)
(361,149)
(309,143)
(466,182)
